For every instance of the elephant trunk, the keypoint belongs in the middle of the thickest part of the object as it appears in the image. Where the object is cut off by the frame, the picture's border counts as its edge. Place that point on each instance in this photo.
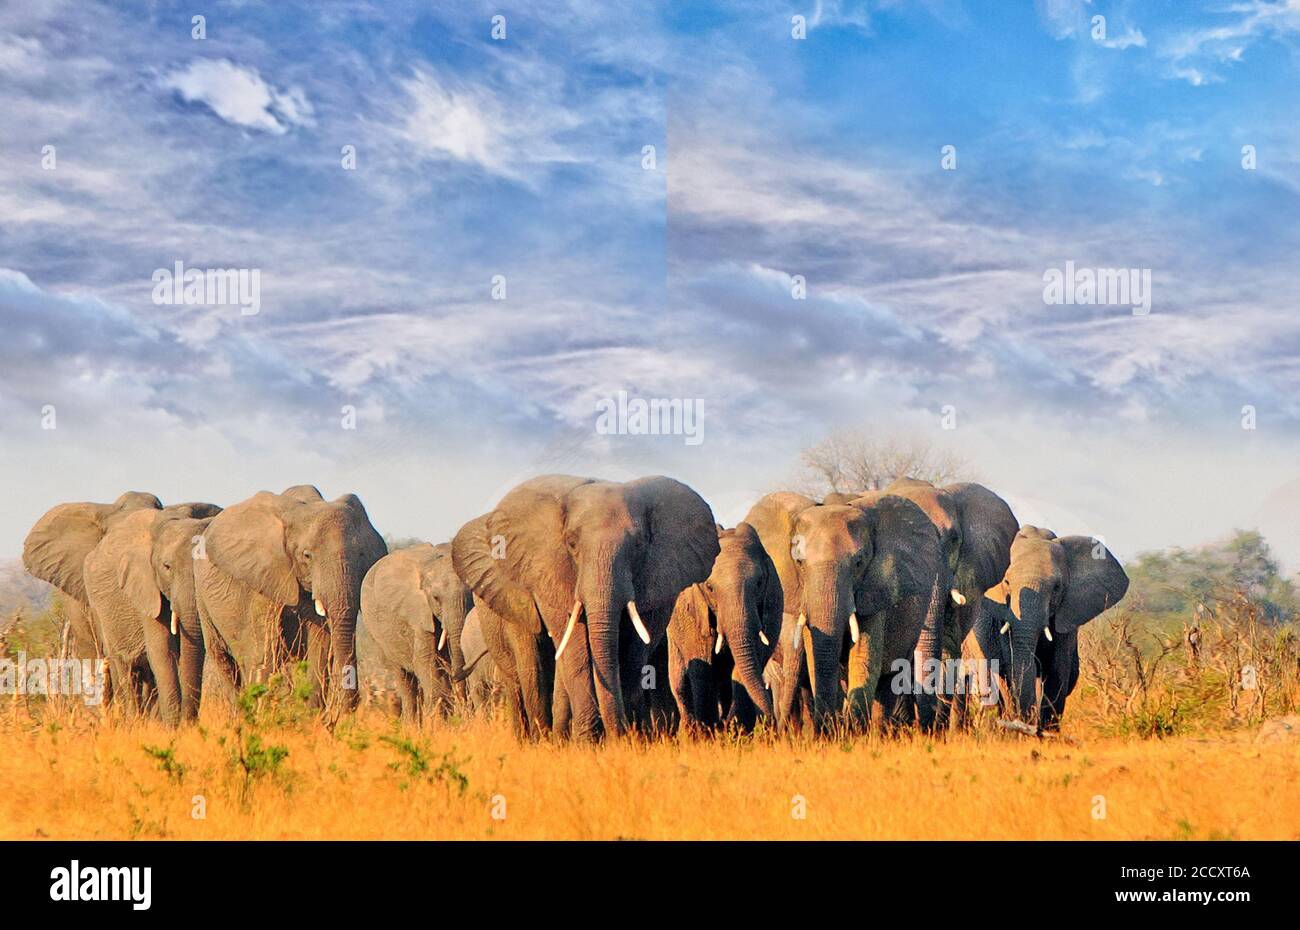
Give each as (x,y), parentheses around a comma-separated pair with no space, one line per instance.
(828,601)
(929,649)
(604,601)
(1030,618)
(343,662)
(746,650)
(454,622)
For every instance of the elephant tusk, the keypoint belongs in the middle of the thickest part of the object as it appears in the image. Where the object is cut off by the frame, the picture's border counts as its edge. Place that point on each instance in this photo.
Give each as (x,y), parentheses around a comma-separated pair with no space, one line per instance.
(442,637)
(320,608)
(568,630)
(717,646)
(762,638)
(854,632)
(1047,631)
(1006,626)
(173,621)
(636,622)
(958,598)
(802,619)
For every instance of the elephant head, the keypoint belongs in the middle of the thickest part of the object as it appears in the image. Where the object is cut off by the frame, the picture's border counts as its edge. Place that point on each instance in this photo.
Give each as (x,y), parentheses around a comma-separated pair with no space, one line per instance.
(614,555)
(730,624)
(1052,587)
(146,561)
(56,548)
(297,545)
(847,564)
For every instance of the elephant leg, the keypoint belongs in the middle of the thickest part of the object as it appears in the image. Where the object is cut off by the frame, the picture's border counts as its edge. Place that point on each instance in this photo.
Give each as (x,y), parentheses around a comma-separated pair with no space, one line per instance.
(221,678)
(562,710)
(408,692)
(864,669)
(126,689)
(318,662)
(535,687)
(636,683)
(1062,675)
(434,684)
(163,657)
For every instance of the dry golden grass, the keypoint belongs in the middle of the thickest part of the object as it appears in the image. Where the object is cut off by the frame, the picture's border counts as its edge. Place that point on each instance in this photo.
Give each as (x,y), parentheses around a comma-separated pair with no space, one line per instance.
(85,780)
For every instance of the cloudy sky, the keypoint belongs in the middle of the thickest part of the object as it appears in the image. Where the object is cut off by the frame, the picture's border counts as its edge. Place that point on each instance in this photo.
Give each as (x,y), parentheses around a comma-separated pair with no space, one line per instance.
(775,160)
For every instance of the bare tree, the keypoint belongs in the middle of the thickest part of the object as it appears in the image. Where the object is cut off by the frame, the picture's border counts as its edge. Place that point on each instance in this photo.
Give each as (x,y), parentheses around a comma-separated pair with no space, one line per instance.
(849,461)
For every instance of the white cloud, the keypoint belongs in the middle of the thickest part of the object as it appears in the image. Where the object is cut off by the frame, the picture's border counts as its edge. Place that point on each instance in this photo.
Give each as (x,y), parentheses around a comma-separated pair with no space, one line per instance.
(239,95)
(1192,54)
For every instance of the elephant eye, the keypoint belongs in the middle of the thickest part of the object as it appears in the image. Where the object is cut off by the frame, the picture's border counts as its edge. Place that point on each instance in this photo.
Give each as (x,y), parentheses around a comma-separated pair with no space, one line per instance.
(306,554)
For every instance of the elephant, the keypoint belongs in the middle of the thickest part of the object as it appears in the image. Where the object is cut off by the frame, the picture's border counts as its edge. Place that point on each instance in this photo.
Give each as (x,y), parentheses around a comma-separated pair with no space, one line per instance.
(1052,587)
(55,551)
(414,606)
(480,670)
(976,528)
(558,549)
(722,634)
(855,578)
(140,583)
(269,561)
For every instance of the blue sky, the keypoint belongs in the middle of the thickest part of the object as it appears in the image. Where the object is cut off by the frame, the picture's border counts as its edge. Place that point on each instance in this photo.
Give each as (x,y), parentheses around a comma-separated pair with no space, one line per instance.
(774,158)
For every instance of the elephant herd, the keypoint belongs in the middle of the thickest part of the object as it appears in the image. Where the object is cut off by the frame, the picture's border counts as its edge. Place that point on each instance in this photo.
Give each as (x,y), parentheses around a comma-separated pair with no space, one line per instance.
(570,602)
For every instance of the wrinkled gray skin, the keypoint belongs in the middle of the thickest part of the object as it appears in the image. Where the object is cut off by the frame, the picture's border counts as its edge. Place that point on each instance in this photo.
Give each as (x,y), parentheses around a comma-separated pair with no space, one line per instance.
(414,606)
(140,582)
(1057,584)
(480,682)
(55,551)
(281,581)
(870,559)
(716,648)
(975,529)
(587,549)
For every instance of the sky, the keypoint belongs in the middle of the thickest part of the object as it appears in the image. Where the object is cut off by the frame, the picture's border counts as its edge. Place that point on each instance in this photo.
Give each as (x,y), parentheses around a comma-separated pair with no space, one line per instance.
(518,167)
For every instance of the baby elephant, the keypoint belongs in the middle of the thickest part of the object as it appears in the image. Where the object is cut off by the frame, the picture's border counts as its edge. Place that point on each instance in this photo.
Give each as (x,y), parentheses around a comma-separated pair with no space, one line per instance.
(414,607)
(1031,620)
(723,632)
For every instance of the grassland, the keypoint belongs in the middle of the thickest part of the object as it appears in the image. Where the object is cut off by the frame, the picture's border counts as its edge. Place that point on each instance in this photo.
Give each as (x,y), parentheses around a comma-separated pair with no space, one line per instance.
(294,779)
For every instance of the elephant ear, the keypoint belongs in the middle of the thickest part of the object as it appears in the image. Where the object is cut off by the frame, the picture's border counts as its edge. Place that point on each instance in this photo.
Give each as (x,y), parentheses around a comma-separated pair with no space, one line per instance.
(771,598)
(683,539)
(1096,581)
(135,575)
(395,582)
(247,542)
(987,529)
(528,525)
(56,548)
(479,566)
(773,518)
(905,554)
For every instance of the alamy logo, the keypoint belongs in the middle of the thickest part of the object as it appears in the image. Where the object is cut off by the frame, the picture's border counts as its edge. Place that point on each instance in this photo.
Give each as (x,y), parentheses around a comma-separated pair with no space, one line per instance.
(1121,287)
(179,285)
(658,416)
(106,883)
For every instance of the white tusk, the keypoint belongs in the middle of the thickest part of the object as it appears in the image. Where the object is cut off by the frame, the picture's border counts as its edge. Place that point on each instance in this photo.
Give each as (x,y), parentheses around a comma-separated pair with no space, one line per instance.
(568,630)
(762,638)
(958,598)
(1006,626)
(717,647)
(442,638)
(320,608)
(636,622)
(173,621)
(853,626)
(1047,631)
(802,620)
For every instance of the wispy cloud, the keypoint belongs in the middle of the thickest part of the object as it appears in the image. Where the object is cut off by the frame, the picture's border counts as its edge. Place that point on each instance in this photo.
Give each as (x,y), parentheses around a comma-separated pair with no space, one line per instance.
(240,96)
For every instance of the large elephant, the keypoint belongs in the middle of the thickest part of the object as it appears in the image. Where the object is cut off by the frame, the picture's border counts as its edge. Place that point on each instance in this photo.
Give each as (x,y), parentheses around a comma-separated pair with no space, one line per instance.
(140,585)
(55,551)
(722,634)
(975,529)
(854,578)
(414,606)
(1052,587)
(282,580)
(559,550)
